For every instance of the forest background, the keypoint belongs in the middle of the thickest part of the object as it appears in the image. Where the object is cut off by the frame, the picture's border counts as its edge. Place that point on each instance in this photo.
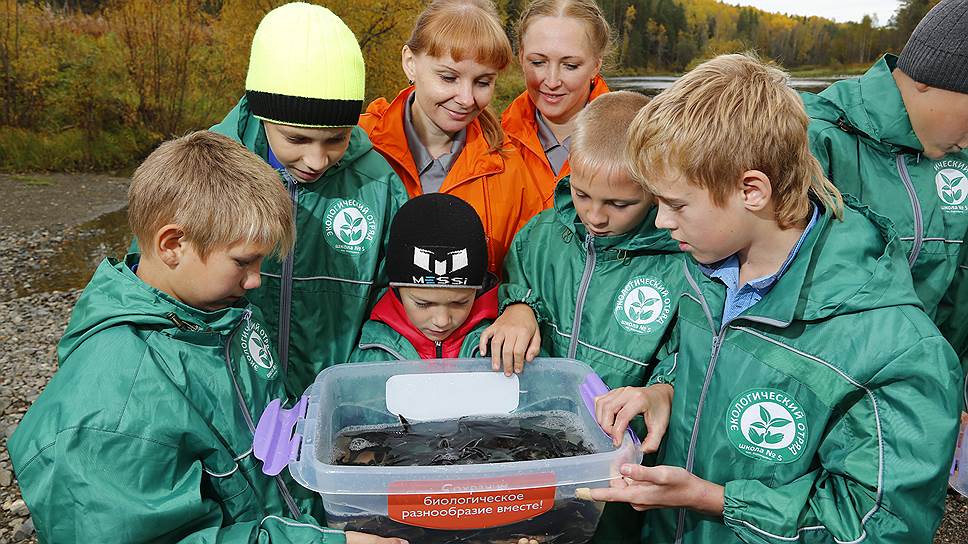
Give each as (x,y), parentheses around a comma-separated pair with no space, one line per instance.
(96,84)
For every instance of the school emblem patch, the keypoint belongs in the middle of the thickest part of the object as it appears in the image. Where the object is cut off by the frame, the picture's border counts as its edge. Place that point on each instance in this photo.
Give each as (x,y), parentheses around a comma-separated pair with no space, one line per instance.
(256,348)
(349,226)
(767,424)
(952,188)
(643,305)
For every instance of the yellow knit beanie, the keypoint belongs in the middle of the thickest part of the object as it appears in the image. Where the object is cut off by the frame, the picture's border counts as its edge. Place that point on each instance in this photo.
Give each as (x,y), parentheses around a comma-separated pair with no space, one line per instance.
(306,69)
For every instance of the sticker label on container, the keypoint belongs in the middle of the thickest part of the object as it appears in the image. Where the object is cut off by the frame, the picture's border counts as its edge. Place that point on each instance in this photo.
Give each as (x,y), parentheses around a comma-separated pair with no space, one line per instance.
(471,504)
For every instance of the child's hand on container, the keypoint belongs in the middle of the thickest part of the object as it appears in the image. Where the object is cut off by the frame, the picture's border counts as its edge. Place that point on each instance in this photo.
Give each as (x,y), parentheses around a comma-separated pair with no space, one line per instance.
(352,537)
(523,540)
(661,487)
(615,409)
(512,339)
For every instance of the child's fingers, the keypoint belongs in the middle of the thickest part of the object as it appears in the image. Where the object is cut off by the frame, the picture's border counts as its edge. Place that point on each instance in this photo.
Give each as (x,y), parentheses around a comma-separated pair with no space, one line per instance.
(622,420)
(534,347)
(521,346)
(497,343)
(507,356)
(485,340)
(656,429)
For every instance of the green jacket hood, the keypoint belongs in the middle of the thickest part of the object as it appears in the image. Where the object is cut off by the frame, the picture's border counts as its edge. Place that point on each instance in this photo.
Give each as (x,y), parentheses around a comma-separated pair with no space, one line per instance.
(868,105)
(116,296)
(240,125)
(818,285)
(646,238)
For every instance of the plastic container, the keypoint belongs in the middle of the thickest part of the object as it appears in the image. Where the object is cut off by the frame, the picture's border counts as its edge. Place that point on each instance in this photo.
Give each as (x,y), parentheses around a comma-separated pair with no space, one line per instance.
(458,503)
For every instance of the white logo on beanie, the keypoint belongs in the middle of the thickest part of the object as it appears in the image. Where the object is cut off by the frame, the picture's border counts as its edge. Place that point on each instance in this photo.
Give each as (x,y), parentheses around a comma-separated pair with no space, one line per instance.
(427,260)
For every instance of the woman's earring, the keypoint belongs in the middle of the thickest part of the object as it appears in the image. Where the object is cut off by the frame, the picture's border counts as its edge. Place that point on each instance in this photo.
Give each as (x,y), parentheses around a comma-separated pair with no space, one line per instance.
(410,81)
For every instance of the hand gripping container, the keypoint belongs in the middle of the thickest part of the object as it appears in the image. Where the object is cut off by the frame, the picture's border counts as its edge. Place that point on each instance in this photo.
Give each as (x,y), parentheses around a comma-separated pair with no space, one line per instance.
(456,503)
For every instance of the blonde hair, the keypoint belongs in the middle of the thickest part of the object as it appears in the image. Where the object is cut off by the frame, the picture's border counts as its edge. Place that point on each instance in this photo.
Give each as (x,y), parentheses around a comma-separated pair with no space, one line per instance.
(601,133)
(466,29)
(218,191)
(597,29)
(732,114)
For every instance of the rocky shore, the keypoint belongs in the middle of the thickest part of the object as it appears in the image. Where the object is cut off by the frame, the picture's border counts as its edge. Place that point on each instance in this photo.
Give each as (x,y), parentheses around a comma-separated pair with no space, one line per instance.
(37,223)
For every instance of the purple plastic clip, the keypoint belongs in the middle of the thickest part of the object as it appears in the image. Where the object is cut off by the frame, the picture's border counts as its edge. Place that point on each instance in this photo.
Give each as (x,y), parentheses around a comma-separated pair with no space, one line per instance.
(274,442)
(592,387)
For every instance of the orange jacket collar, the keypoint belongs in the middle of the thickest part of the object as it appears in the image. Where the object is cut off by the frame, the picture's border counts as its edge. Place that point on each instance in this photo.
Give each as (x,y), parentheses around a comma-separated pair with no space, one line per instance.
(384,122)
(520,125)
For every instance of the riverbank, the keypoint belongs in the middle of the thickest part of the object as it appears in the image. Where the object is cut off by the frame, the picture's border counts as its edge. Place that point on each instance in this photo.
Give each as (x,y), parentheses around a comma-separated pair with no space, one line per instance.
(44,218)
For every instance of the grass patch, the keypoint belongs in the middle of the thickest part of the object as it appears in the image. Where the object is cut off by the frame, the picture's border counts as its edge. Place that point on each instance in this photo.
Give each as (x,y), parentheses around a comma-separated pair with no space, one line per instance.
(72,150)
(31,180)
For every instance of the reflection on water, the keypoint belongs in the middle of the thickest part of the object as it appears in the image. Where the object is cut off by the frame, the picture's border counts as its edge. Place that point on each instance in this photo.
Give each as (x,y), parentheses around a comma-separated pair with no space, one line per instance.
(653,85)
(69,261)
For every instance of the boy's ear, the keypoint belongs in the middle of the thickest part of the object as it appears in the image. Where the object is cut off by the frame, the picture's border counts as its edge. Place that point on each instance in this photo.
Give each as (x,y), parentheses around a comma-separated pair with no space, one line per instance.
(170,244)
(757,190)
(407,62)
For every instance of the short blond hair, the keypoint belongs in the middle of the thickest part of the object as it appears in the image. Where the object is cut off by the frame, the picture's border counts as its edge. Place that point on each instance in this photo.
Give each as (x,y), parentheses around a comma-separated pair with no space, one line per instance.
(732,114)
(218,191)
(601,133)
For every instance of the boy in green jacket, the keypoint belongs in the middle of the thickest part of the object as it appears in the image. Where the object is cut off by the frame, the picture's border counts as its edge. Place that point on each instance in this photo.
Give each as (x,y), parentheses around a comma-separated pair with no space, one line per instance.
(810,397)
(303,97)
(441,295)
(601,279)
(145,432)
(894,139)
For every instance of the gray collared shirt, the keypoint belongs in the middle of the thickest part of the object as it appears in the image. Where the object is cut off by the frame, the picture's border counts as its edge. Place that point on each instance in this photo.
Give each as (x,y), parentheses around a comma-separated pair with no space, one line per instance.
(432,171)
(555,151)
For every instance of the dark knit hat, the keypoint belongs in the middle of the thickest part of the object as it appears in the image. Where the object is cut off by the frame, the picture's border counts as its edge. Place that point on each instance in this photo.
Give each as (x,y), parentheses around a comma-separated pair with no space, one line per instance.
(306,69)
(937,52)
(437,240)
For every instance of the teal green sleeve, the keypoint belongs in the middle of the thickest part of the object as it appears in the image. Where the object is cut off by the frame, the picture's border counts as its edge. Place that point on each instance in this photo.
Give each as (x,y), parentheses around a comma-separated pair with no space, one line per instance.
(953,312)
(97,485)
(397,197)
(882,468)
(516,289)
(668,357)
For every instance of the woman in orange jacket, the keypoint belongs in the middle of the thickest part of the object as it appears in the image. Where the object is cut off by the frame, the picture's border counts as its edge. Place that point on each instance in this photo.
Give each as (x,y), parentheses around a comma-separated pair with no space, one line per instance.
(439,134)
(561,46)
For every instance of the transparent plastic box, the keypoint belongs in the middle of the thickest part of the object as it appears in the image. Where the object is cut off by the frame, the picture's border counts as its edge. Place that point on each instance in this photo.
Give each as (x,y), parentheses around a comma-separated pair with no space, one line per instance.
(456,503)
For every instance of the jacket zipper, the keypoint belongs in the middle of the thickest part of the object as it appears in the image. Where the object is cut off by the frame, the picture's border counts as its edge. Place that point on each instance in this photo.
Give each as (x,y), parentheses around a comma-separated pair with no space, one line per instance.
(915,205)
(713,358)
(439,349)
(586,278)
(285,287)
(181,323)
(283,490)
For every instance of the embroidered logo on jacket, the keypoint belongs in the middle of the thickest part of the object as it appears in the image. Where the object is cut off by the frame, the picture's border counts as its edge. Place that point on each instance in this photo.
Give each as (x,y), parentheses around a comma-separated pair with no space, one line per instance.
(952,188)
(643,305)
(257,351)
(349,226)
(767,424)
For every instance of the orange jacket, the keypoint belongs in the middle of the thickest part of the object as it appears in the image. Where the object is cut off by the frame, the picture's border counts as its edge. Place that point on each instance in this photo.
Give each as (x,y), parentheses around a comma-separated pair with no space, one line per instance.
(521,127)
(497,185)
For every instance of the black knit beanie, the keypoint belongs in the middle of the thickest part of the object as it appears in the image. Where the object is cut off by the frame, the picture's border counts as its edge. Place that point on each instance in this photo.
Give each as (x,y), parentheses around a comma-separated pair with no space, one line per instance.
(437,240)
(937,52)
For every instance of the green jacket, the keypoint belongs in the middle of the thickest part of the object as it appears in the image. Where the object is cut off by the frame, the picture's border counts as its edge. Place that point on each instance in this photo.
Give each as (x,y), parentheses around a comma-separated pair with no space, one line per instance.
(828,410)
(316,303)
(861,134)
(140,435)
(618,292)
